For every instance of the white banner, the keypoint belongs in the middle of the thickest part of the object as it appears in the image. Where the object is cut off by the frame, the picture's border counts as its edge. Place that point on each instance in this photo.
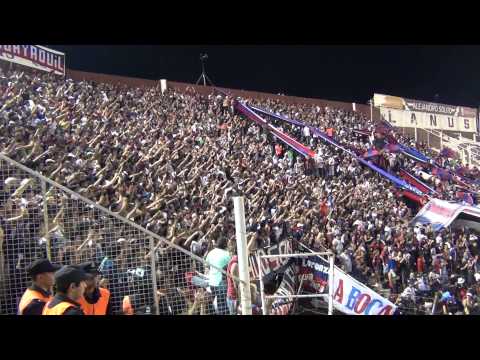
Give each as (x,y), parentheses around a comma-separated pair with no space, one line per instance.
(350,296)
(441,214)
(34,56)
(353,298)
(403,112)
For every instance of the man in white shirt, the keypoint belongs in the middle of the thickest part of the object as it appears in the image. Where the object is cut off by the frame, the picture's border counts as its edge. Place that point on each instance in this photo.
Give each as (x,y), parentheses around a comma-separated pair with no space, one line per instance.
(306,134)
(331,166)
(347,262)
(218,258)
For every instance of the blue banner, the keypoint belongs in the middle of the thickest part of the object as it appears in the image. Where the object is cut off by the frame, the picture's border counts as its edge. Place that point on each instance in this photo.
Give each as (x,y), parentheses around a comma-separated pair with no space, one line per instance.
(415,154)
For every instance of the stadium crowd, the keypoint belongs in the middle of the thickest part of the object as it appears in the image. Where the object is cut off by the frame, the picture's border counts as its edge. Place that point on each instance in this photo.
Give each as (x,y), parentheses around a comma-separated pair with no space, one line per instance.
(170,162)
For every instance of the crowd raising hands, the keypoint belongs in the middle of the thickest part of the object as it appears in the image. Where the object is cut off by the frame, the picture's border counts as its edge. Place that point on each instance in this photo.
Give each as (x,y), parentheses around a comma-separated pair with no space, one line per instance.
(171,162)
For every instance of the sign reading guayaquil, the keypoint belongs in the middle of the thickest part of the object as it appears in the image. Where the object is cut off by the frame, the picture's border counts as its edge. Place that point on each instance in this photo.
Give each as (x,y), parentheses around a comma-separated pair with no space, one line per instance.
(402,112)
(34,56)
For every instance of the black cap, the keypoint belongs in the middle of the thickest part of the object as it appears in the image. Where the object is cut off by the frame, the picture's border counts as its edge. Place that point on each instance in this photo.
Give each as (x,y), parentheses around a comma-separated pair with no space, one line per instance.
(41,266)
(89,267)
(69,274)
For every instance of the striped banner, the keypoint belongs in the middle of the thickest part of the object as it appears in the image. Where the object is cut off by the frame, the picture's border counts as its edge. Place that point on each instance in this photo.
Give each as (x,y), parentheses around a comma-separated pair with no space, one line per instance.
(286,139)
(412,180)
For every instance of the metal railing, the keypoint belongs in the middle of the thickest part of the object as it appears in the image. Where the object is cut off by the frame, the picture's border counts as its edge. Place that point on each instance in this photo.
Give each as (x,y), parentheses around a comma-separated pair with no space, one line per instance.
(468,149)
(40,218)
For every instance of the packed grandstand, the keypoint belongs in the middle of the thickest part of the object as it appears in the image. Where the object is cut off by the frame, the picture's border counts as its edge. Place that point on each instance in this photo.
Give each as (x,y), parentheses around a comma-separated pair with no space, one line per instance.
(169,160)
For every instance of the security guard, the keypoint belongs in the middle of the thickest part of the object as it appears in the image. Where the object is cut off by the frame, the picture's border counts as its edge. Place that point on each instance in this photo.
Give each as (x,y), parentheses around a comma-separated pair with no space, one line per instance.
(96,300)
(39,293)
(70,283)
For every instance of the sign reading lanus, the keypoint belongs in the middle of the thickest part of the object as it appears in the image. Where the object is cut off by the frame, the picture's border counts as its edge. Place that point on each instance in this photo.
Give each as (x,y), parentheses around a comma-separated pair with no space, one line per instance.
(404,112)
(34,56)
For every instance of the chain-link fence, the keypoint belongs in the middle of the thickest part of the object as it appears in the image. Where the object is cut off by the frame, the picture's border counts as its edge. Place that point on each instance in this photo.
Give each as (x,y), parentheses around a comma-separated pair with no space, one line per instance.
(145,273)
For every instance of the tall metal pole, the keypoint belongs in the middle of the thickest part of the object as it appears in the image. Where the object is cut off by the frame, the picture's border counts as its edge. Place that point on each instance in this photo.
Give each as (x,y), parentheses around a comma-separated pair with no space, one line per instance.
(154,275)
(45,219)
(331,284)
(242,253)
(262,292)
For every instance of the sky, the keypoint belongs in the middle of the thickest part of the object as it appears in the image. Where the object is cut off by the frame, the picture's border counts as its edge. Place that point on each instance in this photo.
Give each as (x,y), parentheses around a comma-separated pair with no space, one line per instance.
(446,74)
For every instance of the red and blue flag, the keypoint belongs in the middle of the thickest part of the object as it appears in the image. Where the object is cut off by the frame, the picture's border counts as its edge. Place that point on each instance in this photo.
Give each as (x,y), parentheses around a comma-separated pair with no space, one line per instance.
(371,153)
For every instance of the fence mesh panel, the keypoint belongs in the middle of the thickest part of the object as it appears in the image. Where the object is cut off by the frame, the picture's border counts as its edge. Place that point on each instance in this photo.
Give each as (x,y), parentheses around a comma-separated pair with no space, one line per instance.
(41,220)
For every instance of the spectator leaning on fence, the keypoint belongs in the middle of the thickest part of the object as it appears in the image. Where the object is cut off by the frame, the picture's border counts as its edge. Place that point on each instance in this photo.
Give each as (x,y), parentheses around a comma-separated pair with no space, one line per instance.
(232,283)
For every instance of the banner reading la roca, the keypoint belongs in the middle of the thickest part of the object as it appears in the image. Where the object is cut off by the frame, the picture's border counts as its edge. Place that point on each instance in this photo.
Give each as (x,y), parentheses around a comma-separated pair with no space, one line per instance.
(350,296)
(34,56)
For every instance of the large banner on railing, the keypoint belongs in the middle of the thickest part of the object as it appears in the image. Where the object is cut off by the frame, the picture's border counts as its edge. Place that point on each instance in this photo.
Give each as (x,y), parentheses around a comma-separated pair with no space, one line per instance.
(442,214)
(34,56)
(271,264)
(409,113)
(287,287)
(351,297)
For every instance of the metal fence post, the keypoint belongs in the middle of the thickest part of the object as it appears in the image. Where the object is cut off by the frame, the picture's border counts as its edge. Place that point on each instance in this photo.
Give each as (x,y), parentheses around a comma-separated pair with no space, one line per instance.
(331,284)
(262,292)
(45,218)
(242,254)
(154,275)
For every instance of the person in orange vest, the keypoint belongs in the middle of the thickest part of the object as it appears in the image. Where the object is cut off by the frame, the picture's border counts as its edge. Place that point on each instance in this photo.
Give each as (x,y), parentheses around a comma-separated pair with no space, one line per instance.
(39,293)
(127,306)
(96,300)
(70,283)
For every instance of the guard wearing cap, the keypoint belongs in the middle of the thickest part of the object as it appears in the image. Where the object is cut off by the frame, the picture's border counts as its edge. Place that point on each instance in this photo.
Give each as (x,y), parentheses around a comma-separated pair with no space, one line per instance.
(96,300)
(39,293)
(70,283)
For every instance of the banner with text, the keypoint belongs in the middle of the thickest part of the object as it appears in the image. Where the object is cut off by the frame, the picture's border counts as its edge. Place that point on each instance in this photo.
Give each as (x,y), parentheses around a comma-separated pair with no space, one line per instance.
(409,113)
(271,264)
(34,56)
(350,296)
